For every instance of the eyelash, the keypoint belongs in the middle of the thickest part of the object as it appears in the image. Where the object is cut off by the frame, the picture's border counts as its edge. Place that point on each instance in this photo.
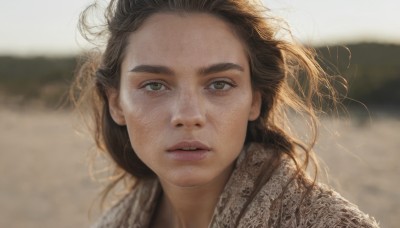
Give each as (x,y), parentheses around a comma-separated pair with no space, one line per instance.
(149,83)
(230,85)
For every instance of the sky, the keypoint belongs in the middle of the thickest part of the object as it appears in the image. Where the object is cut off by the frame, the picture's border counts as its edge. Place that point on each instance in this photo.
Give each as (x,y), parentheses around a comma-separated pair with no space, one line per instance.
(49,27)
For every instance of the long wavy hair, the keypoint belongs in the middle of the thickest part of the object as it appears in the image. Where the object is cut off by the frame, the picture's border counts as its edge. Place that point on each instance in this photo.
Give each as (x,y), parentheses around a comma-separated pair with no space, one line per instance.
(286,74)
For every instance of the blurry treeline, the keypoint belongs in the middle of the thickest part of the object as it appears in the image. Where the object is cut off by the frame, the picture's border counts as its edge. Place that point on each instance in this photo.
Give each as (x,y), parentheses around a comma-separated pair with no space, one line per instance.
(372,71)
(38,80)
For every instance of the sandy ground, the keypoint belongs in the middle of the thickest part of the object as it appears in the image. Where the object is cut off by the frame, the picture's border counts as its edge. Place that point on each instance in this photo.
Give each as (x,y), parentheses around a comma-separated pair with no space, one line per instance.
(45,183)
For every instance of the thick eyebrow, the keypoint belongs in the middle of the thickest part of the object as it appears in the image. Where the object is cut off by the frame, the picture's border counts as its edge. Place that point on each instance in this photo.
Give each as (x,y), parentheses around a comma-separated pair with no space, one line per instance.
(152,69)
(220,67)
(215,68)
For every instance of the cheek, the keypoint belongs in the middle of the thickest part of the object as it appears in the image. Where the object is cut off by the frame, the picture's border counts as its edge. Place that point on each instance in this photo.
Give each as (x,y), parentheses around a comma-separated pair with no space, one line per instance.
(143,120)
(238,122)
(232,116)
(144,130)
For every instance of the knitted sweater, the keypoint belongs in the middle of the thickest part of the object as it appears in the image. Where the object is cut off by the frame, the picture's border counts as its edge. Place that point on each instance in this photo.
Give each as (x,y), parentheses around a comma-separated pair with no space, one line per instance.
(279,203)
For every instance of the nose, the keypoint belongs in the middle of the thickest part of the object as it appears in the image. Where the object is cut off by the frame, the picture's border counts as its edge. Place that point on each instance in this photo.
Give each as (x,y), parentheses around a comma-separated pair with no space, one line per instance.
(188,111)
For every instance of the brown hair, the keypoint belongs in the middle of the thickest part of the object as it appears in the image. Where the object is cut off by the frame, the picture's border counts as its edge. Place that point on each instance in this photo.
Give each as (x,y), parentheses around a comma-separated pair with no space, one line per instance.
(286,74)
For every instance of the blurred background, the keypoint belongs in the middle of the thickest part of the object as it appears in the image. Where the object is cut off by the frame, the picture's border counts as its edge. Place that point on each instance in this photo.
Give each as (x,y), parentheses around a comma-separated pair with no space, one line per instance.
(44,178)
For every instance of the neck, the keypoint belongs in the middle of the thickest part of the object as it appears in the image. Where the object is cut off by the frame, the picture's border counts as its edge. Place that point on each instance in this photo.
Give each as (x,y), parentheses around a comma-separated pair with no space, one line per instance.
(191,206)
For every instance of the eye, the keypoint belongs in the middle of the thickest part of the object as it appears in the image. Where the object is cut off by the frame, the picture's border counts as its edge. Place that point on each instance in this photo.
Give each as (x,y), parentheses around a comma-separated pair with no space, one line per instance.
(220,85)
(154,86)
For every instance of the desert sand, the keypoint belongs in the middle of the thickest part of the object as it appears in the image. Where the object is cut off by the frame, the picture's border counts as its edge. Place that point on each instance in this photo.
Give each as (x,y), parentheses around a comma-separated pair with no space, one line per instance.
(45,180)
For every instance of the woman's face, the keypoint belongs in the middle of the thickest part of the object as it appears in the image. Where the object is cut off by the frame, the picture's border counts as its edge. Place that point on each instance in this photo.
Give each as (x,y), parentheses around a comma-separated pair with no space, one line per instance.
(185,97)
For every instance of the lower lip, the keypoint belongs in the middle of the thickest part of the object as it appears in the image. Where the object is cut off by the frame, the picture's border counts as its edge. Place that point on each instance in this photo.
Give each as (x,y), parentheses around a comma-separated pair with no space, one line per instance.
(182,155)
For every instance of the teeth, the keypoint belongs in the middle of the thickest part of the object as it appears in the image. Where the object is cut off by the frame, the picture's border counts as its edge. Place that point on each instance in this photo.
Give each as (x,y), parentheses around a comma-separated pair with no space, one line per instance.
(189,148)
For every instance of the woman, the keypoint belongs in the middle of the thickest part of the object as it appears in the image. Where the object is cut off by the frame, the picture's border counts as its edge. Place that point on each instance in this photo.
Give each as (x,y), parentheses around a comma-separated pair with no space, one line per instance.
(190,100)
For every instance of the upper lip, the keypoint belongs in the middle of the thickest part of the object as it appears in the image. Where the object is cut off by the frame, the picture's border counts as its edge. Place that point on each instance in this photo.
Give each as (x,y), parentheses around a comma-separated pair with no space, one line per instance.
(188,144)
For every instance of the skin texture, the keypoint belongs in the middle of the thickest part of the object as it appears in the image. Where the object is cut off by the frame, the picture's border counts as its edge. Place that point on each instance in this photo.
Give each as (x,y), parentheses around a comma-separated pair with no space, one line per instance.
(170,92)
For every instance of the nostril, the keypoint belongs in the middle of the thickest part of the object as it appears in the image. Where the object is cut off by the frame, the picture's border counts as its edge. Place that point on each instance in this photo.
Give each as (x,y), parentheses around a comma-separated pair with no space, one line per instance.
(188,113)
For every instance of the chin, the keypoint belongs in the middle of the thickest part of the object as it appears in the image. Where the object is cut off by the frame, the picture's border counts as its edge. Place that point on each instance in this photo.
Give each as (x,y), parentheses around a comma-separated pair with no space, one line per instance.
(189,178)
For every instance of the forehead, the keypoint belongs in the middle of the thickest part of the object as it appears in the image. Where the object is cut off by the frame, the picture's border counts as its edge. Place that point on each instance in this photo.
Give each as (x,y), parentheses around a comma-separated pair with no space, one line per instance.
(187,39)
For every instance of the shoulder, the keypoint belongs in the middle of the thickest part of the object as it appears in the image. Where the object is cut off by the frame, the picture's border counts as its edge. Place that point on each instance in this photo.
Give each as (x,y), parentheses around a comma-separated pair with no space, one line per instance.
(134,209)
(292,201)
(327,208)
(115,216)
(302,204)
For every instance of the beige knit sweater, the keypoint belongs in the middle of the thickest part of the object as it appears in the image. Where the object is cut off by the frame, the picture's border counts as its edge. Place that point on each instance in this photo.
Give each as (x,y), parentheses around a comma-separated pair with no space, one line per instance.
(271,207)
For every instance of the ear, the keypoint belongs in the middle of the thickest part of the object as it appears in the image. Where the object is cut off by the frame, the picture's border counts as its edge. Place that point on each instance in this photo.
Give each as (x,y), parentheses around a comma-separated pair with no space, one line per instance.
(255,109)
(114,106)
